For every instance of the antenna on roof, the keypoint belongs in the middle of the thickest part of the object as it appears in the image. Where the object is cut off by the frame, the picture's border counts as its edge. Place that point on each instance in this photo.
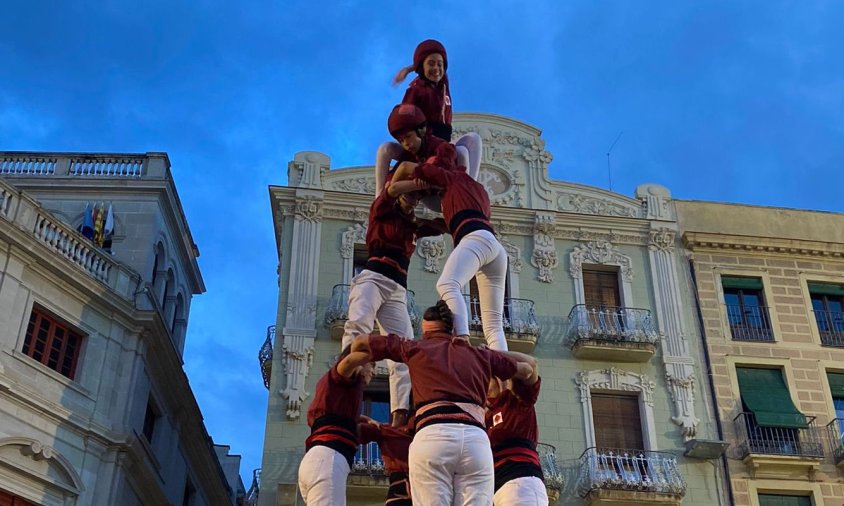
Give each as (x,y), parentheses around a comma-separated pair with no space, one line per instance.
(609,169)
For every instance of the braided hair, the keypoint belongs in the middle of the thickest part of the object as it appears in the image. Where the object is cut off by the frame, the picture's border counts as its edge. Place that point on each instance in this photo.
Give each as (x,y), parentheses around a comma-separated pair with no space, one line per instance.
(440,312)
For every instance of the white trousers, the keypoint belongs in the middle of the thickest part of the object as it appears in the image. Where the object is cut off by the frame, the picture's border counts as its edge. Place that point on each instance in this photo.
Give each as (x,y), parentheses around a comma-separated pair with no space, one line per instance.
(469,151)
(373,296)
(451,464)
(481,256)
(525,491)
(322,477)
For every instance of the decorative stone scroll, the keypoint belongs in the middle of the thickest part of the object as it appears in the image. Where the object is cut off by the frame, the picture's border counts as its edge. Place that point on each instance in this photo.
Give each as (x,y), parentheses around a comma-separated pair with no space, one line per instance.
(599,252)
(582,204)
(431,249)
(662,239)
(544,255)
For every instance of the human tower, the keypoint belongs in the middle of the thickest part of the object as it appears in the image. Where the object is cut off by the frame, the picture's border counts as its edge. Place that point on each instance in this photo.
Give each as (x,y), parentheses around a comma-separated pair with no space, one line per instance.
(469,436)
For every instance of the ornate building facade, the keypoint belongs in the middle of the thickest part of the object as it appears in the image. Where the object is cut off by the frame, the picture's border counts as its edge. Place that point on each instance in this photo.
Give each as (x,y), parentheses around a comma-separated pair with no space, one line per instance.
(770,283)
(95,408)
(597,290)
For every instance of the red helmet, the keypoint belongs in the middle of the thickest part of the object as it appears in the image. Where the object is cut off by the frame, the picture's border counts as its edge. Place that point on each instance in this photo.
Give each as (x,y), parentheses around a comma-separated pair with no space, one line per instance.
(405,117)
(425,48)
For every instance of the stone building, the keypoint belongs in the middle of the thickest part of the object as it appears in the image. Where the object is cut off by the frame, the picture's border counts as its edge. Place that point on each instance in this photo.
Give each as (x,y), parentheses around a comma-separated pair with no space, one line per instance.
(597,290)
(771,288)
(95,408)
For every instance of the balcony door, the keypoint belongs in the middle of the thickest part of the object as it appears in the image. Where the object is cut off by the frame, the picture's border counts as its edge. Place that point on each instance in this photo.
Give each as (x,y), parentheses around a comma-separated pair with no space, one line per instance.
(600,288)
(7,499)
(618,437)
(828,306)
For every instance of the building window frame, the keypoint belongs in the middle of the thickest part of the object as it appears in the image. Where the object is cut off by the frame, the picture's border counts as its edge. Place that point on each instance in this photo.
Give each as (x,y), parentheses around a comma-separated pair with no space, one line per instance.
(71,333)
(763,363)
(614,380)
(767,295)
(784,487)
(805,279)
(582,256)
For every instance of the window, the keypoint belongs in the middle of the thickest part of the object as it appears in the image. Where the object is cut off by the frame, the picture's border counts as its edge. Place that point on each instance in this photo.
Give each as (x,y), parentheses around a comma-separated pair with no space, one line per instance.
(770,422)
(7,499)
(52,343)
(784,500)
(150,418)
(746,311)
(600,288)
(828,306)
(376,400)
(618,424)
(359,259)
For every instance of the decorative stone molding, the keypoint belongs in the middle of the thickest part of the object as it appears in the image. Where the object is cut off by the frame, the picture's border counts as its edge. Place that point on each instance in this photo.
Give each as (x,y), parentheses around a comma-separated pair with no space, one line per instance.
(432,249)
(662,239)
(307,169)
(682,392)
(514,255)
(599,252)
(356,234)
(577,203)
(345,213)
(308,208)
(297,358)
(544,255)
(536,153)
(363,184)
(614,379)
(656,200)
(50,468)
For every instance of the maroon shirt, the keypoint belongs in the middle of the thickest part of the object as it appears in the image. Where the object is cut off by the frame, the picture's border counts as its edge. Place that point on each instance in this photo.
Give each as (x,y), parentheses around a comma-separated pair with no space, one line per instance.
(442,368)
(434,99)
(465,202)
(333,414)
(394,444)
(428,148)
(391,238)
(513,414)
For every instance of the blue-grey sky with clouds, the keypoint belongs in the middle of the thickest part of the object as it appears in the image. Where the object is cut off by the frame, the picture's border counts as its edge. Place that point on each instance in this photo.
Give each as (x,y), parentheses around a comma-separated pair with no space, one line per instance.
(727,101)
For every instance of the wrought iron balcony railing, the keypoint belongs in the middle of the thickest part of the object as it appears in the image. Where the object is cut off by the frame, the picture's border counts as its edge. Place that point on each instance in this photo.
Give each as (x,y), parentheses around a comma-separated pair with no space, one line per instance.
(616,324)
(519,317)
(631,470)
(368,460)
(830,327)
(550,467)
(749,323)
(795,442)
(835,433)
(338,306)
(254,489)
(265,356)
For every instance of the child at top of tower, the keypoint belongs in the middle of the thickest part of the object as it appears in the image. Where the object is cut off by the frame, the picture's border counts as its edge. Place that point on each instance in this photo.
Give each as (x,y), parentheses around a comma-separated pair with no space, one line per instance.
(430,90)
(430,93)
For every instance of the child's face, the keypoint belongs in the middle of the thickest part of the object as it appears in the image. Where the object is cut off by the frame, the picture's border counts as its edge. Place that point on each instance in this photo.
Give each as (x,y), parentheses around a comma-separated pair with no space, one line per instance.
(410,141)
(433,67)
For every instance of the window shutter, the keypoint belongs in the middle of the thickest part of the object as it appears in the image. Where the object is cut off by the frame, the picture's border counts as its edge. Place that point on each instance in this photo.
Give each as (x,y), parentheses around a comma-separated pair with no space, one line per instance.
(601,288)
(741,283)
(766,395)
(617,422)
(836,384)
(826,289)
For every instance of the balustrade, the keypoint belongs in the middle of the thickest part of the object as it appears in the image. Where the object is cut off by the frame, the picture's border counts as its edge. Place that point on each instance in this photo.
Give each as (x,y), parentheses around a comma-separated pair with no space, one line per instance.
(629,470)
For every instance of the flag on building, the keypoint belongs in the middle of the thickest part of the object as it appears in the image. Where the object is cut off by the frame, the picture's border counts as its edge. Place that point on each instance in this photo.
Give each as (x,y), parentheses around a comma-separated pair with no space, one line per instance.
(99,219)
(108,229)
(88,222)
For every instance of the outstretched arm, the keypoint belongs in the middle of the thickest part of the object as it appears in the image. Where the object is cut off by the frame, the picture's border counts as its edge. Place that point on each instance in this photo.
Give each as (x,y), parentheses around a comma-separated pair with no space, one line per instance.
(529,361)
(351,362)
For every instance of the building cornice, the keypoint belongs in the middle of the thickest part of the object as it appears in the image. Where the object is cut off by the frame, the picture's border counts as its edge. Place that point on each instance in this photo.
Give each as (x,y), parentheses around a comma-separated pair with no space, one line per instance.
(794,247)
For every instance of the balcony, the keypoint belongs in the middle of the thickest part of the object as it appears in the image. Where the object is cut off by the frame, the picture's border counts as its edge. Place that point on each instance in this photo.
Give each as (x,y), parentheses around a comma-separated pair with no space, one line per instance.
(551,471)
(265,356)
(629,477)
(778,452)
(749,323)
(830,327)
(615,334)
(836,440)
(338,311)
(521,329)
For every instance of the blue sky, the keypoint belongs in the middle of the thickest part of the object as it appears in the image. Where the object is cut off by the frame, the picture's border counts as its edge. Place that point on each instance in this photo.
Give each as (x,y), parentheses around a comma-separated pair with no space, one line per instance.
(726,101)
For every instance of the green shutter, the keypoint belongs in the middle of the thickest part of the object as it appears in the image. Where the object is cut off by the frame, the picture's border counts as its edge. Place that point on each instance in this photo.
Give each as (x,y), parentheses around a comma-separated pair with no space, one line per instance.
(836,384)
(784,500)
(826,289)
(743,283)
(765,394)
